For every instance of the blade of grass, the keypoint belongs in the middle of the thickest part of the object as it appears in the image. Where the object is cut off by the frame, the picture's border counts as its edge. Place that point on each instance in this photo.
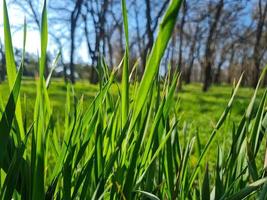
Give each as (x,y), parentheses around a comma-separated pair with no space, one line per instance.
(8,116)
(39,174)
(158,49)
(218,125)
(148,195)
(248,190)
(125,72)
(54,65)
(10,64)
(205,189)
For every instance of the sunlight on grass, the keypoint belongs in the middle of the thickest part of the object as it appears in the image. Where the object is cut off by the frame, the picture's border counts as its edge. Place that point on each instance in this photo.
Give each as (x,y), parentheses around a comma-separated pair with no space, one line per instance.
(129,141)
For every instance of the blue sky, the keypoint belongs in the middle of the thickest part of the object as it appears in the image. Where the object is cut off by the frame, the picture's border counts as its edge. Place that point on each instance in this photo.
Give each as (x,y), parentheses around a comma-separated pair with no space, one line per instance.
(33,36)
(16,17)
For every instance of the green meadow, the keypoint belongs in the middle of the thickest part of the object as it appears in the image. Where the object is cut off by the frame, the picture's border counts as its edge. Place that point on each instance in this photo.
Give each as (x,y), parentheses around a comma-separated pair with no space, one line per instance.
(130,139)
(202,107)
(198,111)
(198,108)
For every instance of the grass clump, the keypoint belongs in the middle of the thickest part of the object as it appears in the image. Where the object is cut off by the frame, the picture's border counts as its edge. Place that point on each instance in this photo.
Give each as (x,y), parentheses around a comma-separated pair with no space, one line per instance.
(124,145)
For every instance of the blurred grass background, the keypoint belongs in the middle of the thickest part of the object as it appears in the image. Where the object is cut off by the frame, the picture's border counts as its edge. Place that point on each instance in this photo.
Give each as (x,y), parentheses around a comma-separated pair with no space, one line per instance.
(198,111)
(197,108)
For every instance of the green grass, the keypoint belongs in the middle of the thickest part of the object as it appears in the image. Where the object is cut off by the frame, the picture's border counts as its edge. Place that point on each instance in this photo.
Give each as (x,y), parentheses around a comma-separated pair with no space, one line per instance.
(200,108)
(205,108)
(129,141)
(57,93)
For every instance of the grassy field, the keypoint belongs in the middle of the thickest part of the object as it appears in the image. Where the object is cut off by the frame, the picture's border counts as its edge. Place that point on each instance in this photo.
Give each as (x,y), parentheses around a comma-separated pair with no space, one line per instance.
(201,109)
(140,140)
(198,111)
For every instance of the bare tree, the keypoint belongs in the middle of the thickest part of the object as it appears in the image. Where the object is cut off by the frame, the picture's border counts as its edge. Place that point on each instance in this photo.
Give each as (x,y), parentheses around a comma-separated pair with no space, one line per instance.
(151,26)
(257,54)
(75,14)
(181,38)
(149,30)
(31,8)
(98,14)
(209,41)
(209,52)
(192,53)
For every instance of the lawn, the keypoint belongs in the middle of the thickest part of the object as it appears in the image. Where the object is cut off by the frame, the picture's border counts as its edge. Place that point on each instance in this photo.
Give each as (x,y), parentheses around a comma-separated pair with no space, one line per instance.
(198,111)
(123,140)
(197,108)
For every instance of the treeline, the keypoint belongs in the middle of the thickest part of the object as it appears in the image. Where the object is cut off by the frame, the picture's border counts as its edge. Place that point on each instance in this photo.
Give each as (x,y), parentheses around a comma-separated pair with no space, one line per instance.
(214,41)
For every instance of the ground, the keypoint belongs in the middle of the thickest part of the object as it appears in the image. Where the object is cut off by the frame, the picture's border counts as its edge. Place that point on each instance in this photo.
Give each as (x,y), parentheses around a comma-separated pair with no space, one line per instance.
(197,109)
(200,109)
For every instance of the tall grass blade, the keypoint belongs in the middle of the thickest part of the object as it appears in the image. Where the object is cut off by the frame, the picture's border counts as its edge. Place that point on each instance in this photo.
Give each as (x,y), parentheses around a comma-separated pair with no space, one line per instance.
(248,190)
(218,125)
(8,117)
(10,64)
(158,49)
(125,73)
(39,173)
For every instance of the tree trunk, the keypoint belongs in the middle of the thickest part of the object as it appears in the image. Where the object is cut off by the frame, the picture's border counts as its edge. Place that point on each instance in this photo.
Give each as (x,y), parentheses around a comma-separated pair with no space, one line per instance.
(100,36)
(217,77)
(110,51)
(231,64)
(72,46)
(189,71)
(256,53)
(192,56)
(210,47)
(73,21)
(180,56)
(148,27)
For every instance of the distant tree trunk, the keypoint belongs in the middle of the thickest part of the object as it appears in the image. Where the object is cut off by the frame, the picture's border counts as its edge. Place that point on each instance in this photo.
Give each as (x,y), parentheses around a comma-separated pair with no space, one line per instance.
(72,46)
(98,15)
(181,39)
(243,67)
(168,60)
(46,66)
(64,67)
(73,25)
(3,63)
(110,50)
(139,41)
(210,47)
(102,23)
(192,56)
(150,28)
(188,73)
(65,73)
(217,76)
(257,48)
(91,52)
(231,62)
(173,43)
(149,33)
